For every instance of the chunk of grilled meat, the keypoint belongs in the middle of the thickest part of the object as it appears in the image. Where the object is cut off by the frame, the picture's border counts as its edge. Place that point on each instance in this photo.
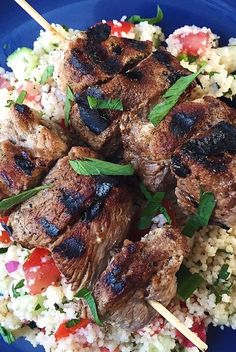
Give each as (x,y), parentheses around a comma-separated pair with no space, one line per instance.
(96,57)
(137,88)
(140,271)
(80,219)
(28,147)
(207,162)
(150,148)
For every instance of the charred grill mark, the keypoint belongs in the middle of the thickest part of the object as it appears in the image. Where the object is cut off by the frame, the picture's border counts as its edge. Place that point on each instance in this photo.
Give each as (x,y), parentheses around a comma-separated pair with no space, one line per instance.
(6,179)
(132,248)
(51,229)
(117,49)
(138,45)
(134,74)
(98,33)
(163,57)
(96,122)
(77,64)
(72,247)
(24,163)
(230,102)
(182,123)
(173,76)
(92,211)
(103,187)
(71,201)
(209,151)
(22,109)
(179,168)
(114,280)
(111,65)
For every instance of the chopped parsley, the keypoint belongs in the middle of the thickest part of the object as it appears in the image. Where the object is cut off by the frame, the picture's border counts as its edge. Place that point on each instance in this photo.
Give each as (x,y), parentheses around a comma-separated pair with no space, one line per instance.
(187,282)
(48,72)
(222,286)
(91,166)
(3,250)
(154,205)
(72,322)
(87,295)
(153,20)
(69,99)
(171,97)
(205,209)
(110,104)
(15,289)
(7,335)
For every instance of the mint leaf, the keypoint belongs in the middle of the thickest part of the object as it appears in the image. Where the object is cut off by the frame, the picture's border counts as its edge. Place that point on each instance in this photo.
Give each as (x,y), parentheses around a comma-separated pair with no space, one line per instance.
(87,295)
(153,20)
(110,104)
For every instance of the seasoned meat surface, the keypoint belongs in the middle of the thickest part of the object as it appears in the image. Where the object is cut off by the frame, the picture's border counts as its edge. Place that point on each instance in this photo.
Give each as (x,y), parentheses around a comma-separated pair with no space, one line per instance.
(137,89)
(28,148)
(96,56)
(150,148)
(80,219)
(207,162)
(140,271)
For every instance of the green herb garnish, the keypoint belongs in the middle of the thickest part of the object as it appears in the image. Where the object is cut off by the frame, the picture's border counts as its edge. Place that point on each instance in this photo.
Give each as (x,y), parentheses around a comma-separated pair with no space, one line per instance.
(65,27)
(212,73)
(7,335)
(87,295)
(72,322)
(10,202)
(91,166)
(187,282)
(187,58)
(21,97)
(48,72)
(110,104)
(171,97)
(195,222)
(37,307)
(221,285)
(153,206)
(153,20)
(19,285)
(69,99)
(3,250)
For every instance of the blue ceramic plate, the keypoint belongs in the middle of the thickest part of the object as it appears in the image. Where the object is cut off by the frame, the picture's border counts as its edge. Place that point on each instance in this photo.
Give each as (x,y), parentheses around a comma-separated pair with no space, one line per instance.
(16,30)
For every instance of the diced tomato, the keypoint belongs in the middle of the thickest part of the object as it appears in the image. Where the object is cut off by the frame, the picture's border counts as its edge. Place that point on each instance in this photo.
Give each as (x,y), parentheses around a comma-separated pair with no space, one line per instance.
(40,271)
(120,26)
(32,89)
(104,349)
(64,331)
(4,83)
(4,235)
(199,328)
(170,210)
(194,44)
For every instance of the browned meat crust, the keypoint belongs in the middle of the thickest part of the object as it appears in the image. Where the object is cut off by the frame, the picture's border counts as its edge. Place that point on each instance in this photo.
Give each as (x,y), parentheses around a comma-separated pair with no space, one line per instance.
(79,219)
(141,271)
(28,147)
(138,88)
(207,162)
(150,148)
(97,56)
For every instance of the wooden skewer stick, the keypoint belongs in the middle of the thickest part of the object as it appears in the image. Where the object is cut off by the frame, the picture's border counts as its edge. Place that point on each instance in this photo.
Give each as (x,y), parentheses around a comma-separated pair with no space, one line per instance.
(38,18)
(178,325)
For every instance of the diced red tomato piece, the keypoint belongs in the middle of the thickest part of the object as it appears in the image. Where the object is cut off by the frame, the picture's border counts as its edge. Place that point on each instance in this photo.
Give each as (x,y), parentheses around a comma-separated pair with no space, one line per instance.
(199,328)
(4,83)
(40,271)
(63,331)
(104,349)
(4,235)
(32,89)
(194,44)
(63,124)
(119,27)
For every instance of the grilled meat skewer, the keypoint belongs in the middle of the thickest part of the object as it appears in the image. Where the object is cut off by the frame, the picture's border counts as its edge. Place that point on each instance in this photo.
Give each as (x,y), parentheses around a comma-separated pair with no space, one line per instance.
(96,57)
(80,219)
(140,271)
(138,88)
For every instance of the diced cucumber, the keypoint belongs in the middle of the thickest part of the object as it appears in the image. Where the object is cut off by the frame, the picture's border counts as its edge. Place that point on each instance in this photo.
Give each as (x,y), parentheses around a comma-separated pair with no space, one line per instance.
(22,62)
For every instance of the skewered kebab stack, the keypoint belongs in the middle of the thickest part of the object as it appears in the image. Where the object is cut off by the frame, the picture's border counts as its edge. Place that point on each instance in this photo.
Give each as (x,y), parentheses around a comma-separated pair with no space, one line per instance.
(75,218)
